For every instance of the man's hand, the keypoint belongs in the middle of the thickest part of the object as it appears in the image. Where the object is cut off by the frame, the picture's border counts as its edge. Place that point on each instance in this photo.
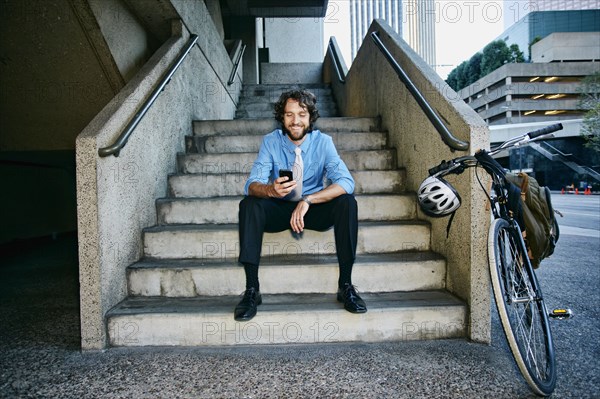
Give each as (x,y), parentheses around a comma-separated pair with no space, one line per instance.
(282,187)
(279,189)
(297,220)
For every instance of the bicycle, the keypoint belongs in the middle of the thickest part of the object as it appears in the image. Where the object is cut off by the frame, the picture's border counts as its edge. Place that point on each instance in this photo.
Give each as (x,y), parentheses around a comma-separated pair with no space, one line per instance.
(517,292)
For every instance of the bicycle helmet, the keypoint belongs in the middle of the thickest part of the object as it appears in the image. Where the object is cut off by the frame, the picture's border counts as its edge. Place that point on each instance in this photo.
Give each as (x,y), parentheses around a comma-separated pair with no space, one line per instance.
(437,197)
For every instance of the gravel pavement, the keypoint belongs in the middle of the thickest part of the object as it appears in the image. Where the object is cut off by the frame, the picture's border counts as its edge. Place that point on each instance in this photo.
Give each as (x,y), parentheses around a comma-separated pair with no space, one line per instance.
(40,356)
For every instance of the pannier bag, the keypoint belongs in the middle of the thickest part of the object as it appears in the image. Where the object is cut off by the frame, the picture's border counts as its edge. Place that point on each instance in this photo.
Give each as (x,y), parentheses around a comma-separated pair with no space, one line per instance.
(541,228)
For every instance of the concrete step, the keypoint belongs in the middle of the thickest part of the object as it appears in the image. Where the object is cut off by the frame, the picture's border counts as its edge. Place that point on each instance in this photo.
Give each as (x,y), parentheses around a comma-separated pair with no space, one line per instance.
(272,97)
(324,102)
(402,271)
(271,93)
(275,90)
(242,162)
(267,107)
(347,141)
(222,242)
(262,126)
(259,109)
(244,113)
(223,210)
(286,319)
(232,184)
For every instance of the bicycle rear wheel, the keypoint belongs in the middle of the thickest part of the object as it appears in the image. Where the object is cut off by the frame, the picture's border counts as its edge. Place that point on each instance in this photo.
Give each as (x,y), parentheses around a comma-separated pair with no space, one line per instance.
(521,308)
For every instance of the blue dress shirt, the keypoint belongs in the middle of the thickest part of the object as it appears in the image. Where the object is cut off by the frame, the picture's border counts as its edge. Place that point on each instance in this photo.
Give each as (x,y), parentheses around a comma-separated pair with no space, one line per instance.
(320,158)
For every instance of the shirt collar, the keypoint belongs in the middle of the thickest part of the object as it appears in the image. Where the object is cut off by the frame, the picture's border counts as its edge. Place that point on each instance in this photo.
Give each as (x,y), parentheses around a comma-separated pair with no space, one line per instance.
(287,143)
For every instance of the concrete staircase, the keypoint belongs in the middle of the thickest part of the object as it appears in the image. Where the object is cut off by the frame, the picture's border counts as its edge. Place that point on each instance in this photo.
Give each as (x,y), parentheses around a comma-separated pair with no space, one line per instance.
(184,290)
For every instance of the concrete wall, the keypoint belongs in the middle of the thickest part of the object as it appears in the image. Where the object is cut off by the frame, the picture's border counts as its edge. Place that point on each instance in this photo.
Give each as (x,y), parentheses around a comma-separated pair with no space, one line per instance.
(567,46)
(52,65)
(39,194)
(129,43)
(294,39)
(372,88)
(57,73)
(116,195)
(285,73)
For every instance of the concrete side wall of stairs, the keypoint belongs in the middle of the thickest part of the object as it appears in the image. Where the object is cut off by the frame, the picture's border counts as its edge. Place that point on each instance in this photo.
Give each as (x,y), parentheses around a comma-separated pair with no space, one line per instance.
(116,195)
(372,87)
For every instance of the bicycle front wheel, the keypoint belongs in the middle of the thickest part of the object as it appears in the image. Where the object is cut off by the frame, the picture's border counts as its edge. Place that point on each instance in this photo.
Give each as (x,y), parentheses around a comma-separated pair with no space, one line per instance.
(521,307)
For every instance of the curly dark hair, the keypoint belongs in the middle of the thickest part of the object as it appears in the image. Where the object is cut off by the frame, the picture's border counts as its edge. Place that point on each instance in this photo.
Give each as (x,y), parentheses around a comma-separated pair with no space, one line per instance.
(304,97)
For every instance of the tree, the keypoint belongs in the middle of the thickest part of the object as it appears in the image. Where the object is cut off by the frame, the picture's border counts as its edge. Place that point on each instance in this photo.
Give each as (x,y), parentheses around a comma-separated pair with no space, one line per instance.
(516,55)
(465,74)
(451,80)
(474,68)
(590,101)
(461,75)
(495,55)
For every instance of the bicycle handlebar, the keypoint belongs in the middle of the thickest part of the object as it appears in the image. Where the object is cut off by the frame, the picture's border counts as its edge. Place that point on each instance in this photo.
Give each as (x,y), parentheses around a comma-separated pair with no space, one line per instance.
(442,166)
(454,164)
(545,130)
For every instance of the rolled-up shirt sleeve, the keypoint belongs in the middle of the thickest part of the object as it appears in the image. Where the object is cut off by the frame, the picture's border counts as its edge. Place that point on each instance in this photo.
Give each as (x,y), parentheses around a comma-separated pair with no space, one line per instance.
(262,167)
(336,170)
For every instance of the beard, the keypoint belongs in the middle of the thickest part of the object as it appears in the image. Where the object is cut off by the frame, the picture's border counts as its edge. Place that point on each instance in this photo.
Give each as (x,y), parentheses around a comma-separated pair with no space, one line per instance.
(297,137)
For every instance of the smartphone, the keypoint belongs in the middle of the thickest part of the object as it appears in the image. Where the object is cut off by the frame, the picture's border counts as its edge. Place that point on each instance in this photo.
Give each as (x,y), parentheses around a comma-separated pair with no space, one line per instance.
(286,173)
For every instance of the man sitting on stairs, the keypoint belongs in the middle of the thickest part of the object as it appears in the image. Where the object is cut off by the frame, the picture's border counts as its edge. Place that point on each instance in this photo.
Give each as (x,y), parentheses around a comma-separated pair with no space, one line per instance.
(275,204)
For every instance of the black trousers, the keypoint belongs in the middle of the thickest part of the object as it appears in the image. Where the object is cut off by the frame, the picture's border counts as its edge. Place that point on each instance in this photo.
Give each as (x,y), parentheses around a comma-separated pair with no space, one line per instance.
(259,215)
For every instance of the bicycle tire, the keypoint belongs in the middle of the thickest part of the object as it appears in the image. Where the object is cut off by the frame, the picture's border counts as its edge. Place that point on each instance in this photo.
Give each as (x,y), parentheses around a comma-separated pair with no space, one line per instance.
(522,310)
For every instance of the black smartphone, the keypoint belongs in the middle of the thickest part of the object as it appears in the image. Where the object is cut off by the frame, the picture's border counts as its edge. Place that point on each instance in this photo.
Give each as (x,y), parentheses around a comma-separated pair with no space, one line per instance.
(286,173)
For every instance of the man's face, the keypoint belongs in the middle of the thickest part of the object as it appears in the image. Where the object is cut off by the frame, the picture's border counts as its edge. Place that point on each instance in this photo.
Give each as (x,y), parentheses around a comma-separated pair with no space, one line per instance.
(296,120)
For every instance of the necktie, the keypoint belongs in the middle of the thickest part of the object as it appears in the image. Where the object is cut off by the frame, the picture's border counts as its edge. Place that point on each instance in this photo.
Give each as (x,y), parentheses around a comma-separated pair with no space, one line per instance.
(298,169)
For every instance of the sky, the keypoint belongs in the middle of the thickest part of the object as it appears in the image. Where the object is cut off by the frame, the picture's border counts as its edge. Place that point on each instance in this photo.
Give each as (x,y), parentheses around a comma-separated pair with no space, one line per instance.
(463,27)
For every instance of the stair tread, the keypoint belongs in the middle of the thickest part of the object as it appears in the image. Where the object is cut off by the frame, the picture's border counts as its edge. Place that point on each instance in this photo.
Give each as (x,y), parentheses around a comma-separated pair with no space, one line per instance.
(409,194)
(264,133)
(234,226)
(282,303)
(254,153)
(264,125)
(245,174)
(289,260)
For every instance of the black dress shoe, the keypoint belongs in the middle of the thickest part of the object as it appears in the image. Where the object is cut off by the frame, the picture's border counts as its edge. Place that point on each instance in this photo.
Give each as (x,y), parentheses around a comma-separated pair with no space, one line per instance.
(246,309)
(352,302)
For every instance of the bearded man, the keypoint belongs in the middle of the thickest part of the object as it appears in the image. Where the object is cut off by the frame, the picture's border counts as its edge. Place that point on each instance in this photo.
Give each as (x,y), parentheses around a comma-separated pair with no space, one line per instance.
(275,203)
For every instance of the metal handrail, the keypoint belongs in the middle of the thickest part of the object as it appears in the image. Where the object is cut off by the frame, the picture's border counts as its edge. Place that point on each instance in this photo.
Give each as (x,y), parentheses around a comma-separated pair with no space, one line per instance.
(236,65)
(433,117)
(118,145)
(336,61)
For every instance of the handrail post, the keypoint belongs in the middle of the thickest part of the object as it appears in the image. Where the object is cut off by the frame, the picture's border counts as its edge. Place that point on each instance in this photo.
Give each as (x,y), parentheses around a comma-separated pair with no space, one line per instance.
(118,145)
(336,61)
(447,137)
(236,65)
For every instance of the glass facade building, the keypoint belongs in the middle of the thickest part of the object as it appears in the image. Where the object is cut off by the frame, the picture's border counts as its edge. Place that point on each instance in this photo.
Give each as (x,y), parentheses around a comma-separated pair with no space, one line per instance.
(540,24)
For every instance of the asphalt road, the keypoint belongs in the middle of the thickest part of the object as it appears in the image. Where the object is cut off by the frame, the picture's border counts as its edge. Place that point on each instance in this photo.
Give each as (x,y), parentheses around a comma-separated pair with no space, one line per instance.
(579,212)
(571,278)
(40,356)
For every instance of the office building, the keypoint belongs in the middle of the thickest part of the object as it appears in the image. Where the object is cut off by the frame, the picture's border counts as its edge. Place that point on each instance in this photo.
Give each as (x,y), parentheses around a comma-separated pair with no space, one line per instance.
(539,24)
(413,19)
(515,10)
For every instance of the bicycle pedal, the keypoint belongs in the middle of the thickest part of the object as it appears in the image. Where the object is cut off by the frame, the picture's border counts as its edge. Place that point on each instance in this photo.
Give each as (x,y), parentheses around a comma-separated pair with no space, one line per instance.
(561,314)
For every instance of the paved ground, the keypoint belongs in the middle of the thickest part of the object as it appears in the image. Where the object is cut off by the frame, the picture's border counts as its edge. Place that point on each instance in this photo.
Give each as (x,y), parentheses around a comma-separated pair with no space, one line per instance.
(40,357)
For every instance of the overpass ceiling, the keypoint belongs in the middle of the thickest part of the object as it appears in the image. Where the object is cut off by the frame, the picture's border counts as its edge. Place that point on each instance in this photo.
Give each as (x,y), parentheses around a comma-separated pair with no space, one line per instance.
(274,8)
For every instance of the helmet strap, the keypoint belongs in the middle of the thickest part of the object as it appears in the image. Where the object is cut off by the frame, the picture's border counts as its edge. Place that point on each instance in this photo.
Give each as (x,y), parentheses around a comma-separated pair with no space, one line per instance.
(450,224)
